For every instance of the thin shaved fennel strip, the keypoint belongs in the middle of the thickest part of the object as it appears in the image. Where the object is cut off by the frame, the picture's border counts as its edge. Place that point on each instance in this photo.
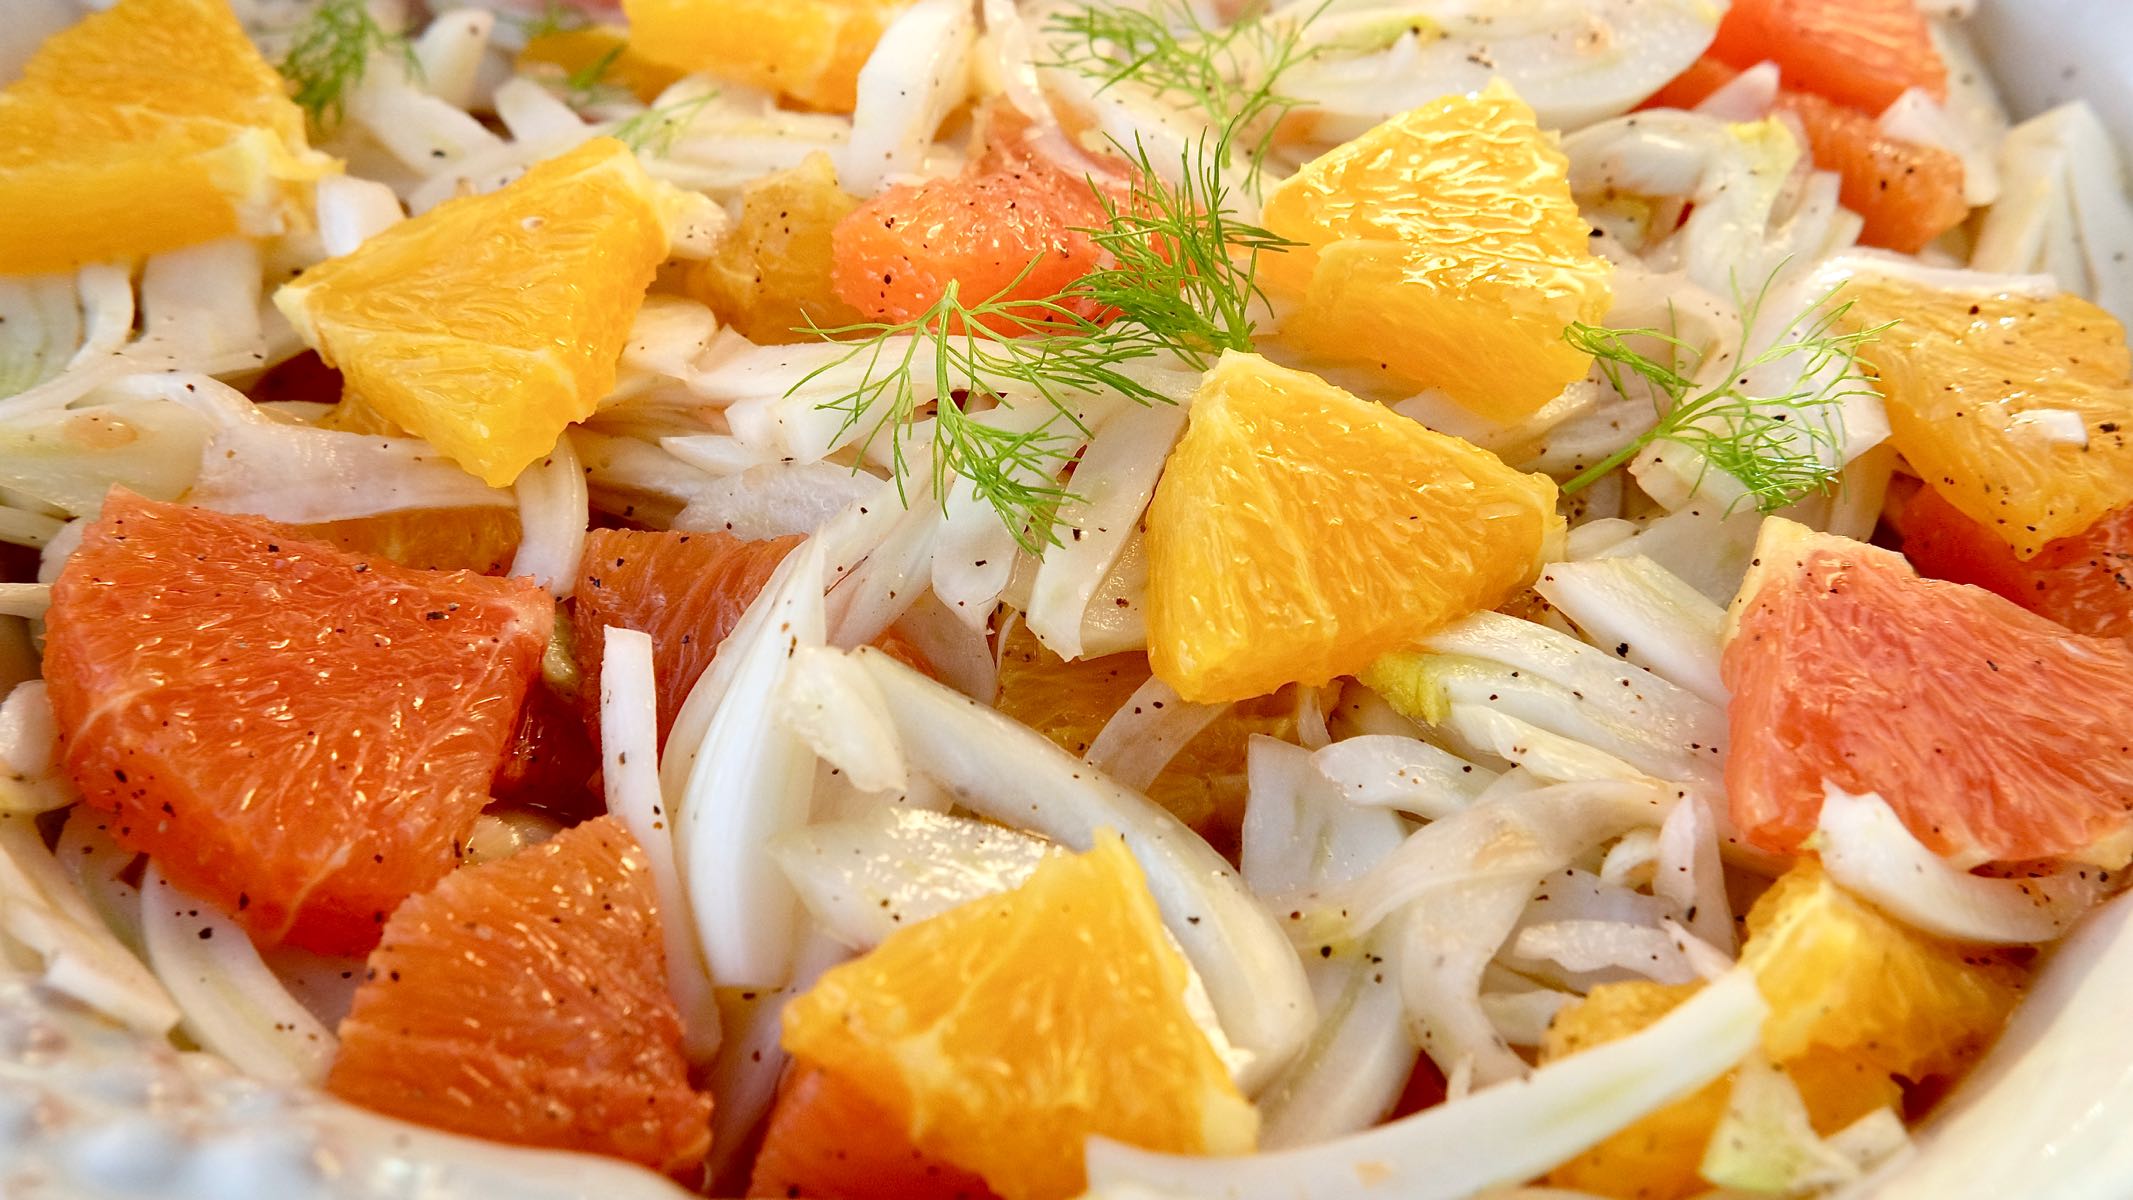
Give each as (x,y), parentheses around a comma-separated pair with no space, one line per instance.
(629,771)
(1382,770)
(1690,875)
(233,1004)
(1637,610)
(25,599)
(744,1077)
(1007,772)
(1868,850)
(43,912)
(1147,732)
(552,510)
(748,780)
(918,72)
(1500,1136)
(864,878)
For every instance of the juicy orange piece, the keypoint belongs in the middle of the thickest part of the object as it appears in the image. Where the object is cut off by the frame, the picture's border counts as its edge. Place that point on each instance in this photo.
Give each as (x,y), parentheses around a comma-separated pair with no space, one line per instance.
(770,277)
(1860,53)
(1298,533)
(1008,228)
(601,49)
(481,540)
(810,50)
(146,128)
(304,764)
(827,1141)
(2084,582)
(1069,702)
(525,1000)
(1968,379)
(1856,1000)
(1444,246)
(1908,193)
(1003,1033)
(490,323)
(1999,738)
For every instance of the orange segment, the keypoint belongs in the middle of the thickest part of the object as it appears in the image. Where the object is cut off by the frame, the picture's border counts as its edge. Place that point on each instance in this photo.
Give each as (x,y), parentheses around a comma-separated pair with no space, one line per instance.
(149,127)
(1299,532)
(2083,582)
(572,52)
(1069,702)
(490,323)
(481,540)
(1967,379)
(525,1001)
(810,50)
(1856,1000)
(1002,1034)
(771,273)
(827,1141)
(1993,733)
(304,764)
(1445,247)
(1859,53)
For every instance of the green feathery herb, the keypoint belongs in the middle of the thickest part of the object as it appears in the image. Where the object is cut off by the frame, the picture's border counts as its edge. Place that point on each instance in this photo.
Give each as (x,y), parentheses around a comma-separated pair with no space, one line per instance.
(1780,448)
(654,131)
(554,17)
(1040,349)
(329,53)
(1185,273)
(589,85)
(1231,73)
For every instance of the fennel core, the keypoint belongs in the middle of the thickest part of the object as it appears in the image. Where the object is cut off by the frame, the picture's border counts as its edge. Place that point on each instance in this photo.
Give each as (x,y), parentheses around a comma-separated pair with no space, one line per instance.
(1780,448)
(1181,281)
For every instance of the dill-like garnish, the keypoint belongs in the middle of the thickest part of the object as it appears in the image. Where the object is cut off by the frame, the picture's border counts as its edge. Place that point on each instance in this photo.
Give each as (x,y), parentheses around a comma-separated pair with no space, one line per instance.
(554,17)
(1777,447)
(1185,273)
(588,85)
(655,130)
(329,53)
(1229,73)
(1027,349)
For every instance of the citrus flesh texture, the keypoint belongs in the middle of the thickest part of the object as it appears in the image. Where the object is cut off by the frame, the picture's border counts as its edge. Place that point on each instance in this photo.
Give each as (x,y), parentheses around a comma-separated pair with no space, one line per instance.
(149,127)
(1069,702)
(1007,229)
(1002,1034)
(827,1141)
(1995,734)
(770,276)
(2084,582)
(525,1000)
(808,50)
(686,591)
(490,323)
(481,540)
(300,736)
(1862,54)
(1857,1002)
(1298,532)
(1443,246)
(1967,379)
(600,56)
(1907,193)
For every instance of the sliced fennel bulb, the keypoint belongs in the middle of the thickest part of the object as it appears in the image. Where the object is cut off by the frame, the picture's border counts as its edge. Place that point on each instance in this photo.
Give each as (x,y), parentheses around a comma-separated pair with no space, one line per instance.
(864,878)
(1497,1137)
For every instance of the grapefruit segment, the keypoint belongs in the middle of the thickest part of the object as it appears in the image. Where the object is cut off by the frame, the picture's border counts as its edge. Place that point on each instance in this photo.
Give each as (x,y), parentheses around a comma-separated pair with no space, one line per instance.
(1993,733)
(1862,54)
(827,1141)
(1298,532)
(2084,582)
(525,1001)
(301,736)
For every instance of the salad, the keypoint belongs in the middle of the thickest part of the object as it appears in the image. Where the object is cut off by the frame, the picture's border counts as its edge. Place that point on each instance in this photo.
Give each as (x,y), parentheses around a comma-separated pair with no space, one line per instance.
(1041,598)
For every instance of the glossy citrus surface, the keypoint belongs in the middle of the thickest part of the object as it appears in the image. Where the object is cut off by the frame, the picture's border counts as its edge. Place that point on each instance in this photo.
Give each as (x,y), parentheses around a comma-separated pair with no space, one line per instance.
(770,276)
(299,735)
(827,1141)
(149,127)
(1992,732)
(2084,582)
(1960,371)
(1444,246)
(491,322)
(1859,53)
(1004,1032)
(525,1000)
(1299,532)
(809,50)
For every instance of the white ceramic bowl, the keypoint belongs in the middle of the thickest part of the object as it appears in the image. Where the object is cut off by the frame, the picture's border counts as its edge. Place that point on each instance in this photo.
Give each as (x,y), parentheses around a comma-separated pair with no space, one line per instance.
(2049,1115)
